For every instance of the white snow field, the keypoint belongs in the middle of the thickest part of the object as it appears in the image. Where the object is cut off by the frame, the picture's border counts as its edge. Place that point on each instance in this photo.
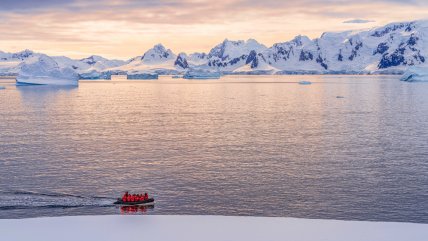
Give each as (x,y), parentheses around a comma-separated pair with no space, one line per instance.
(205,228)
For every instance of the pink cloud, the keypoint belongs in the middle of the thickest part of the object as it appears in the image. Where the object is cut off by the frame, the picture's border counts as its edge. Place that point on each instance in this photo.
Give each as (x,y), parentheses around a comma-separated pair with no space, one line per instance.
(126,28)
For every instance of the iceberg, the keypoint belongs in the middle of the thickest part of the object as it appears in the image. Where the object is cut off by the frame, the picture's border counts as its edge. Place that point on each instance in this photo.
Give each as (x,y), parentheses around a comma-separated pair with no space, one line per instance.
(415,74)
(303,82)
(2,87)
(44,70)
(201,74)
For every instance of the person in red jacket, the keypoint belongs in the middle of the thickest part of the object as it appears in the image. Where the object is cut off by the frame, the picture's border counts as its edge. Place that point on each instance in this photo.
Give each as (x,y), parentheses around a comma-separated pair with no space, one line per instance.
(134,197)
(125,197)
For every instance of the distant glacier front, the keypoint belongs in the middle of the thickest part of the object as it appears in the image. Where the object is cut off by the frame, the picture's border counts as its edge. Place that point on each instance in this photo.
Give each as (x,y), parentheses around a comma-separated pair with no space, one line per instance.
(201,74)
(416,74)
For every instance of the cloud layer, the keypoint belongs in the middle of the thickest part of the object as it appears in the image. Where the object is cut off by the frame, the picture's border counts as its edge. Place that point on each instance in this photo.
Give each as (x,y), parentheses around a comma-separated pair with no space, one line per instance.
(359,21)
(126,28)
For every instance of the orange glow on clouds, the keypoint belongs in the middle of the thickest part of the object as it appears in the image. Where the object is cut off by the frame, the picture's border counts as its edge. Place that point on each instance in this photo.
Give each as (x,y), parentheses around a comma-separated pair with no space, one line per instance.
(124,29)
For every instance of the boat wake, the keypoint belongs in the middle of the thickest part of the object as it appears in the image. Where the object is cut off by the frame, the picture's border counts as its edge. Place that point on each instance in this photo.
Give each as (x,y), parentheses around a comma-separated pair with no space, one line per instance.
(30,200)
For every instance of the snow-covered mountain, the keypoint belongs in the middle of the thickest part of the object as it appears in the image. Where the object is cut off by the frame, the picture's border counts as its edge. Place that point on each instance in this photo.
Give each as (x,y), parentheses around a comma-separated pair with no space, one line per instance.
(226,57)
(90,64)
(196,59)
(231,55)
(16,56)
(99,63)
(155,60)
(181,61)
(388,49)
(9,62)
(91,67)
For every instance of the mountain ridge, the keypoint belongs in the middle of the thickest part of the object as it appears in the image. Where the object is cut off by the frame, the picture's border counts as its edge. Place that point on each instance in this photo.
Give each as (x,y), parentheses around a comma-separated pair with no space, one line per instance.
(388,49)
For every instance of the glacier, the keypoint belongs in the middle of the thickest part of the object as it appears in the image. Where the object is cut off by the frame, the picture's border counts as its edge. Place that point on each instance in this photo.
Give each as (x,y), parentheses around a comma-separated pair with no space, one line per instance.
(44,70)
(201,74)
(389,49)
(416,74)
(137,75)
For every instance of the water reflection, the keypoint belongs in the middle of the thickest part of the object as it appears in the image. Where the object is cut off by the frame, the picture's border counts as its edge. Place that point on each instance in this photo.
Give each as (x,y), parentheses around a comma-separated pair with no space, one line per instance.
(226,146)
(42,95)
(42,90)
(135,209)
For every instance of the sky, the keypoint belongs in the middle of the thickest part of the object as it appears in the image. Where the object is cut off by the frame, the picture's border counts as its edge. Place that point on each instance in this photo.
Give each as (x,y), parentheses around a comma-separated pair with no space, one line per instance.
(127,28)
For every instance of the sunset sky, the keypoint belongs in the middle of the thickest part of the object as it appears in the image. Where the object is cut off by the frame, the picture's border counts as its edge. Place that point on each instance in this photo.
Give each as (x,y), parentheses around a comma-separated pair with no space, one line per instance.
(124,29)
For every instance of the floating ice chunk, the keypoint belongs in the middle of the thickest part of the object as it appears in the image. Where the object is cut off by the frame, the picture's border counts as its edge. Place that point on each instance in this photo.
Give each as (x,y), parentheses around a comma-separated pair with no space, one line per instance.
(303,82)
(2,87)
(415,74)
(44,70)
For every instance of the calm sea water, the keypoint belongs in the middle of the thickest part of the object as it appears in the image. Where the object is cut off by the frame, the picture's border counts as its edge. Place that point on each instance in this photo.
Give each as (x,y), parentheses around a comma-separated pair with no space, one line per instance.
(241,145)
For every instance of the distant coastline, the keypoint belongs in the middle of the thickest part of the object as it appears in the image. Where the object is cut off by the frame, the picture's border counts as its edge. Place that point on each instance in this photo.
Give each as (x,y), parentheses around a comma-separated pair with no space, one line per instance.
(386,50)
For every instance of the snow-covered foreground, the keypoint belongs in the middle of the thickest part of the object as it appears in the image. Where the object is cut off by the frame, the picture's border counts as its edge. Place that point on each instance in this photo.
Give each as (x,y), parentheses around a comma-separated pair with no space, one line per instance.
(205,228)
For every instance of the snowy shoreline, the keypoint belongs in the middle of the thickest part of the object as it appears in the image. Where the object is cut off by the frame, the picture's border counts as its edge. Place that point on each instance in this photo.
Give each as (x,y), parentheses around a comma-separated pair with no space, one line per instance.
(188,228)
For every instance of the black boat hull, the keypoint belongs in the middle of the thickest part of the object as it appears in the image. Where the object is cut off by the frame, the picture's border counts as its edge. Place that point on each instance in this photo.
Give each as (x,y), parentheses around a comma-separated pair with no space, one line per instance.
(147,202)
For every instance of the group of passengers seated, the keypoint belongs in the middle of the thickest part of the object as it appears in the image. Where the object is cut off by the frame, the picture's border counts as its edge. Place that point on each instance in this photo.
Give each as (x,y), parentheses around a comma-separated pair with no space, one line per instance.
(134,197)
